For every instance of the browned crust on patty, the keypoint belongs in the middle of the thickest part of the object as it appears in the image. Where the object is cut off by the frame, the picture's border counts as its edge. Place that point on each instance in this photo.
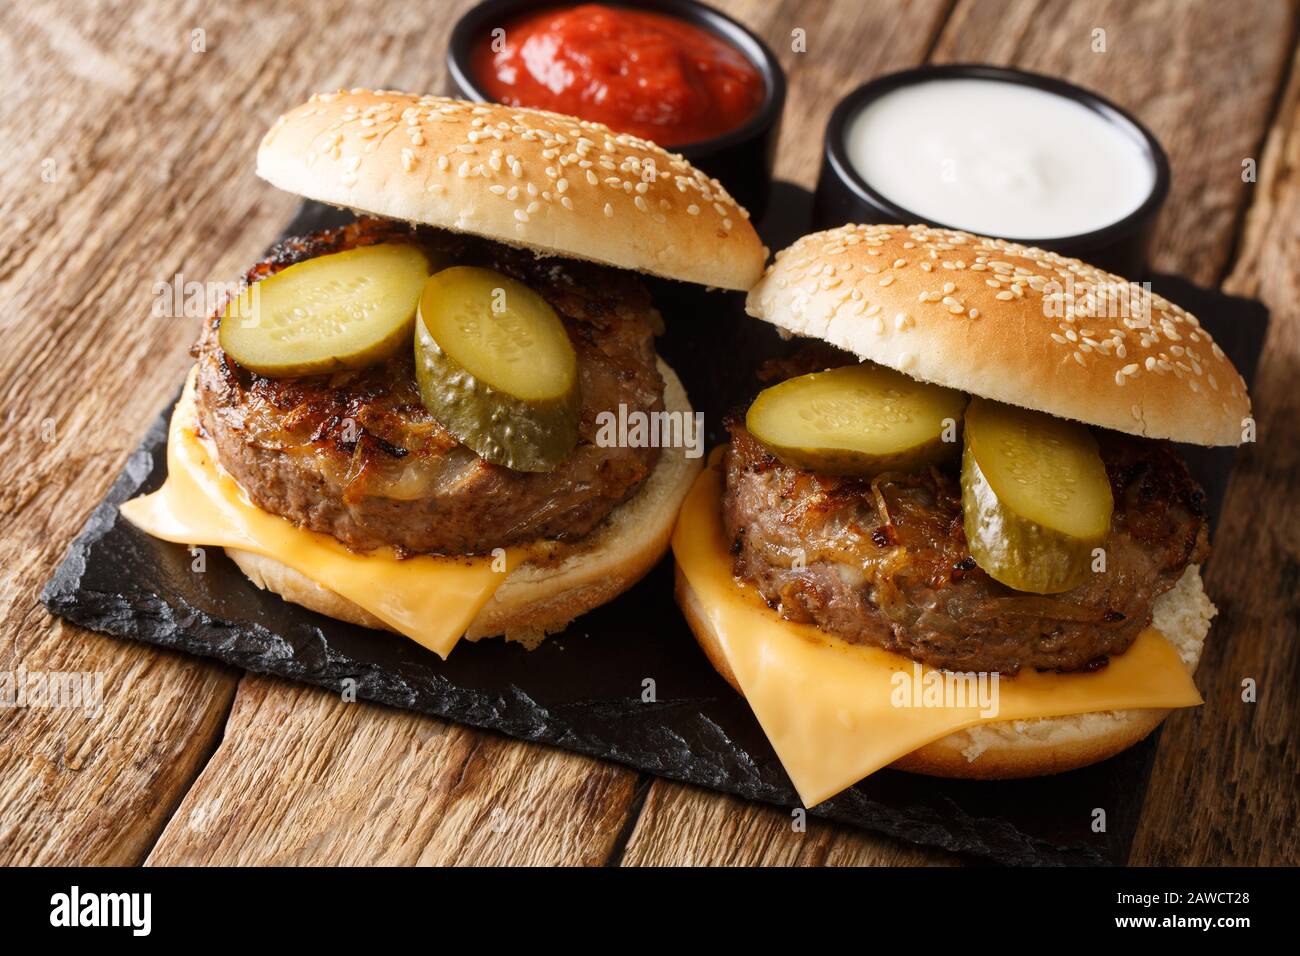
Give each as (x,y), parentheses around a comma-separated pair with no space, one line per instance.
(357,456)
(885,561)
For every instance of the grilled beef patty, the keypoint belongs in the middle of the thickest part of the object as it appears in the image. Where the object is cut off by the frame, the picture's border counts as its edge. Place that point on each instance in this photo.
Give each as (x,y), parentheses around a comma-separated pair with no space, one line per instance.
(885,561)
(357,456)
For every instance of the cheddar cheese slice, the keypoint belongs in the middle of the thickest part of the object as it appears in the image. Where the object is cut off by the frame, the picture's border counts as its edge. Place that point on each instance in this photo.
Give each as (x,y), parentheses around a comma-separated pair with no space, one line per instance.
(431,600)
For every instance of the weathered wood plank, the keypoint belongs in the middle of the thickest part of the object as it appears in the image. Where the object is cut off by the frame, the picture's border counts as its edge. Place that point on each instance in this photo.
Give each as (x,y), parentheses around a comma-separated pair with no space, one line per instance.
(1228,770)
(682,825)
(152,144)
(304,778)
(82,370)
(846,44)
(96,788)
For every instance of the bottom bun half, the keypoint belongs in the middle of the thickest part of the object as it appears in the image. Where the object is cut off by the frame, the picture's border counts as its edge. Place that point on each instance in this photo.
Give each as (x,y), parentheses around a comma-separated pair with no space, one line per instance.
(1003,750)
(543,595)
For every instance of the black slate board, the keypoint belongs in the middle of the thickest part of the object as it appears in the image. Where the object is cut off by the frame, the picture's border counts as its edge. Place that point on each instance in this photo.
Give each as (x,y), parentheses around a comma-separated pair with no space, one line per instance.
(582,689)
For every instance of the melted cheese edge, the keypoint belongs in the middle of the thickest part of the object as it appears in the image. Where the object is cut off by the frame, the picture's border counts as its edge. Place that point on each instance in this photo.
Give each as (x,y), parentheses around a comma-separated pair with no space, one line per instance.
(826,705)
(431,600)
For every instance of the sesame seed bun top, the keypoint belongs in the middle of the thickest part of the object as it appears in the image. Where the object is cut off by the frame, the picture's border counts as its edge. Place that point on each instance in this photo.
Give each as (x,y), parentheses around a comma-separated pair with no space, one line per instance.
(1011,323)
(551,183)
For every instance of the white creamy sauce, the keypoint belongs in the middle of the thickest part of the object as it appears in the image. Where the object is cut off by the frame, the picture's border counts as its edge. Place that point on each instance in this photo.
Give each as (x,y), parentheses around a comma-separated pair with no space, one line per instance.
(998,158)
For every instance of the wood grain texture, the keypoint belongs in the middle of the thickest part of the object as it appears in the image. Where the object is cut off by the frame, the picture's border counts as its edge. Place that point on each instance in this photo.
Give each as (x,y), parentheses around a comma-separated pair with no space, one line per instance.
(96,788)
(680,825)
(303,777)
(846,44)
(1228,773)
(1201,77)
(151,147)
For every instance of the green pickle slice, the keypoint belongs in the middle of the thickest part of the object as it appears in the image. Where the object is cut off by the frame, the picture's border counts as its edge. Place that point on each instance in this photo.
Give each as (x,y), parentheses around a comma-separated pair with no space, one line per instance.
(857,420)
(1035,497)
(495,366)
(342,311)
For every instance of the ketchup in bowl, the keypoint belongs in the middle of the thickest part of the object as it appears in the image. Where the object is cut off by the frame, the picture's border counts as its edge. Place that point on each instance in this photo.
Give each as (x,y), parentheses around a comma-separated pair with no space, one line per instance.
(637,72)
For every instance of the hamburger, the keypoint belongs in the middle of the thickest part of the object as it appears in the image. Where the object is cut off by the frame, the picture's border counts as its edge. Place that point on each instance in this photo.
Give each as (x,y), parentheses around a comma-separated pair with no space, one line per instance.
(962,480)
(396,423)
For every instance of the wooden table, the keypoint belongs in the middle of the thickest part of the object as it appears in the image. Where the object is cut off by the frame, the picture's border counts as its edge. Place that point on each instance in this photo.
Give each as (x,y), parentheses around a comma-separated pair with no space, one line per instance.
(128,143)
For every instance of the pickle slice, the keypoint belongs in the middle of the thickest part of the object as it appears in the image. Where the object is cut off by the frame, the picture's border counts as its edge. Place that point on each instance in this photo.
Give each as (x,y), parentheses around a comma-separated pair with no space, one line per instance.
(1035,497)
(857,420)
(342,311)
(495,366)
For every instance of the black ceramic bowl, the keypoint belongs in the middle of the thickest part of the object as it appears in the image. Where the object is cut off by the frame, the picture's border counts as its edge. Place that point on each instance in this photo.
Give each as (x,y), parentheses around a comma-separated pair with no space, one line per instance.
(741,159)
(844,196)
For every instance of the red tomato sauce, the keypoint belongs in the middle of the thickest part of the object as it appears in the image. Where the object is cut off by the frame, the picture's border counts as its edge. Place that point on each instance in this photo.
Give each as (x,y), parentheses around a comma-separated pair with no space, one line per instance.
(637,72)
